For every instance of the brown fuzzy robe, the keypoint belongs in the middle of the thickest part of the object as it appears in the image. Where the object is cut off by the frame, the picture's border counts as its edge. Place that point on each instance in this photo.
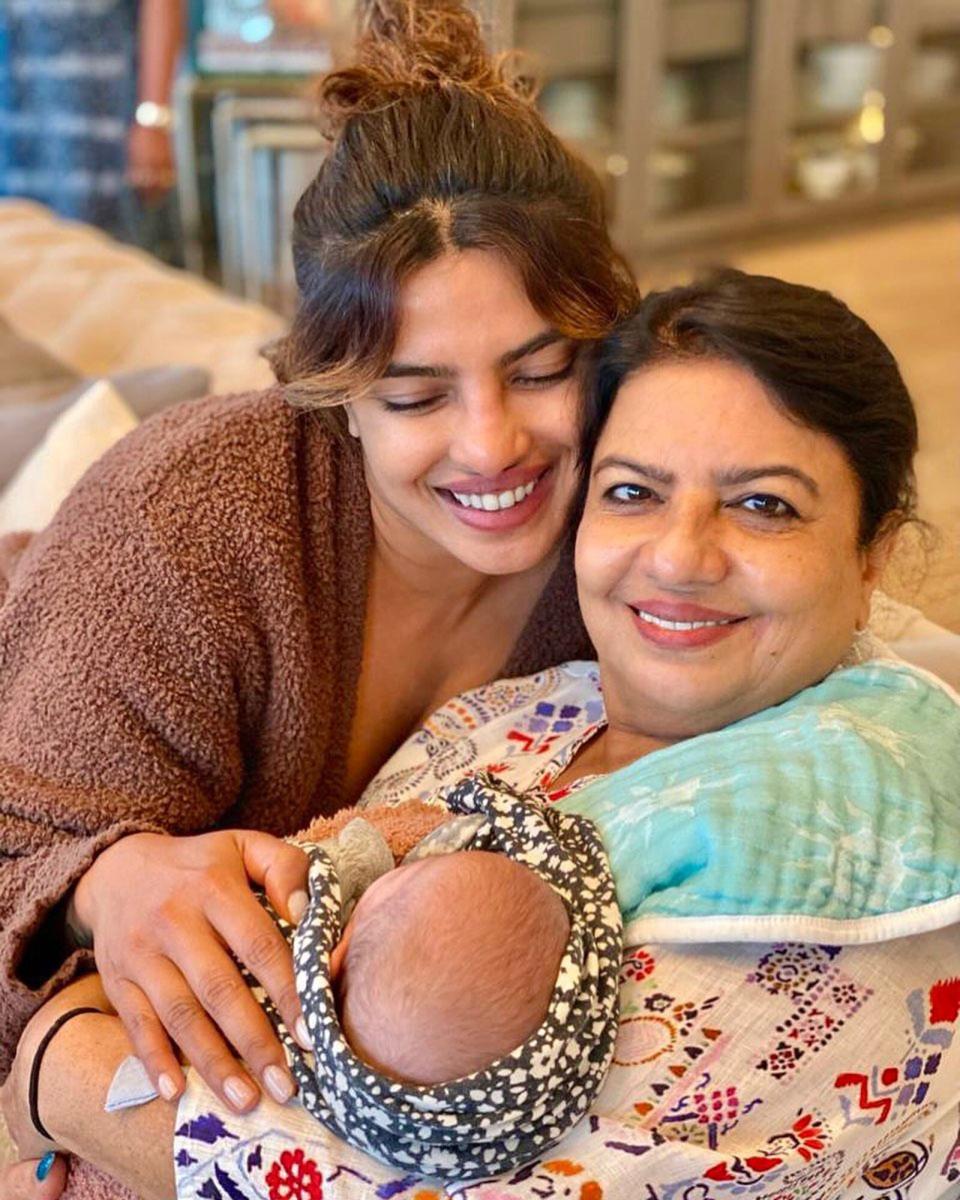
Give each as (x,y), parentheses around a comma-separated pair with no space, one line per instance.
(179,651)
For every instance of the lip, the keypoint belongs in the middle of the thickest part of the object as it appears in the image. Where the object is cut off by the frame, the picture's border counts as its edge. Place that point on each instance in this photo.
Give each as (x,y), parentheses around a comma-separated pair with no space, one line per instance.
(682,610)
(506,481)
(683,639)
(503,520)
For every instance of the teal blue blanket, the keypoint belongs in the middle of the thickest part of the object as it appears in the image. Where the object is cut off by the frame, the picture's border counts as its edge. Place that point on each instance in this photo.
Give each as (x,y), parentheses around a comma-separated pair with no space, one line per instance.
(833,816)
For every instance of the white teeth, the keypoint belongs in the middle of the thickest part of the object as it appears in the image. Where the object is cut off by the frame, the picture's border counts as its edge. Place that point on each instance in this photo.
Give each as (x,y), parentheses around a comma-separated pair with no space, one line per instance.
(495,501)
(662,623)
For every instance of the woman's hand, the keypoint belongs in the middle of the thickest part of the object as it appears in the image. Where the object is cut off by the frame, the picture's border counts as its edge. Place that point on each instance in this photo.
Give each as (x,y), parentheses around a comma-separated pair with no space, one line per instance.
(151,167)
(165,914)
(18,1180)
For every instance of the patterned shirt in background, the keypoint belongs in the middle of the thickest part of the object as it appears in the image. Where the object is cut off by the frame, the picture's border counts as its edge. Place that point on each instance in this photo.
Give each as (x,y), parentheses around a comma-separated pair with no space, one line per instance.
(68,91)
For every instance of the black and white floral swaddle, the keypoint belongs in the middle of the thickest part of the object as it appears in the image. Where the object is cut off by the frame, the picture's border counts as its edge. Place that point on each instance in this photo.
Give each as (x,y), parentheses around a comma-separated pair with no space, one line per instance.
(495,1119)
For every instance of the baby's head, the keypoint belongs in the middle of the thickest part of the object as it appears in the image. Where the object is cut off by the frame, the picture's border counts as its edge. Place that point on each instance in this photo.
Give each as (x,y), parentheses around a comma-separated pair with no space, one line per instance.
(448,964)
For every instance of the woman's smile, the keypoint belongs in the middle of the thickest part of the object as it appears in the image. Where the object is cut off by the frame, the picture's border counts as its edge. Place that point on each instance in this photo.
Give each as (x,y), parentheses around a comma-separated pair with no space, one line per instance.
(680,625)
(503,503)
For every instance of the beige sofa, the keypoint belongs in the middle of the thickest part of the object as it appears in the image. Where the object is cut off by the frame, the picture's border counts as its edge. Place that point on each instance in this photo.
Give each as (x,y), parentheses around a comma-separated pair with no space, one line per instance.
(100,307)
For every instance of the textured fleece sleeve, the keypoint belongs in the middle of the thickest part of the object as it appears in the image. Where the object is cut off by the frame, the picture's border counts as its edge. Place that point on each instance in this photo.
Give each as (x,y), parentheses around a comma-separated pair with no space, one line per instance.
(121,698)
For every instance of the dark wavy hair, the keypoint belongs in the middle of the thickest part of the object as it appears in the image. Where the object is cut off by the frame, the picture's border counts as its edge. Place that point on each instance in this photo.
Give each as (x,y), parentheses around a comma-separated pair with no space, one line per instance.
(822,364)
(436,146)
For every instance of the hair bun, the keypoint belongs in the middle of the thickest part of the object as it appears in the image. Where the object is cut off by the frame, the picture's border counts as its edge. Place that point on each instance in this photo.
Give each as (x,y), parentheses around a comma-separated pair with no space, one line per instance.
(409,46)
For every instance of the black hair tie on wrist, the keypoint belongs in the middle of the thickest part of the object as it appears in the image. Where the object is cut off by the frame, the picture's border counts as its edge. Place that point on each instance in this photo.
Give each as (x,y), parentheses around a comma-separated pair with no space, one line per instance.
(45,1041)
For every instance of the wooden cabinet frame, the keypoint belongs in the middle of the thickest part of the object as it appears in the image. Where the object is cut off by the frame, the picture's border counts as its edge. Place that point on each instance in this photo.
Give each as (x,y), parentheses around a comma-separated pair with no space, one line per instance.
(767,203)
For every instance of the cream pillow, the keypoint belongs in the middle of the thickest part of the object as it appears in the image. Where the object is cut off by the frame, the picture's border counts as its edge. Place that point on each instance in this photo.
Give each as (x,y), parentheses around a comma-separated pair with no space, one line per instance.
(74,442)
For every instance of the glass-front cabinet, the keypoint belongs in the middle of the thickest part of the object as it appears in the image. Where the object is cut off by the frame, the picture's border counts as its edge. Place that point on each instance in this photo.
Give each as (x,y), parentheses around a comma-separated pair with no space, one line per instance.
(655,93)
(840,71)
(709,118)
(929,141)
(700,155)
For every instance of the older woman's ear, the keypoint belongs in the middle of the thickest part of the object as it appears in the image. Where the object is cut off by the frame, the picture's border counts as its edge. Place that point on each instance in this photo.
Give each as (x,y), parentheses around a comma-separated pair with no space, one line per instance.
(874,559)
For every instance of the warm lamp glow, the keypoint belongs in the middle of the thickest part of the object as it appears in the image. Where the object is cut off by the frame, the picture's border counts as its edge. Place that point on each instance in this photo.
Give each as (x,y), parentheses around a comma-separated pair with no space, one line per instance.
(871,124)
(881,36)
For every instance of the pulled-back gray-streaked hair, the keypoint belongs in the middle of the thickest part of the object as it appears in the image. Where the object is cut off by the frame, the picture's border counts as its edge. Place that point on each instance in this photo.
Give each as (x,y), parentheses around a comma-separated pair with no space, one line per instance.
(821,363)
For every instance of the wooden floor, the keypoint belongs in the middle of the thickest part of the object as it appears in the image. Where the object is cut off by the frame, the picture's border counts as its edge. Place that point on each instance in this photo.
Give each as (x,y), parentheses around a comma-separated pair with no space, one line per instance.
(903,276)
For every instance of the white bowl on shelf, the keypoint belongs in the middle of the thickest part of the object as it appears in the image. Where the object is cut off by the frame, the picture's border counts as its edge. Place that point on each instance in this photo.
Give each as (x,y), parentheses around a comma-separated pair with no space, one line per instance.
(842,73)
(824,175)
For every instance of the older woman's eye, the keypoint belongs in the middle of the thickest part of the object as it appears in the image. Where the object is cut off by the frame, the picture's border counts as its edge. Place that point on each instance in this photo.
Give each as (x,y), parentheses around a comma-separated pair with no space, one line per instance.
(628,493)
(764,505)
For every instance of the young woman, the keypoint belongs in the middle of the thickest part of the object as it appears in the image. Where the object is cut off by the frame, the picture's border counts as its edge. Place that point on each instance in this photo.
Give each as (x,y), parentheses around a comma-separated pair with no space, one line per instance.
(242,611)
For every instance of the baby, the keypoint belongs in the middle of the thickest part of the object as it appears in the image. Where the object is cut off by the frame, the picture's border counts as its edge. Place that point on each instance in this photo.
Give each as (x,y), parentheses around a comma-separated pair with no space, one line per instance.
(463,1006)
(447,964)
(463,1014)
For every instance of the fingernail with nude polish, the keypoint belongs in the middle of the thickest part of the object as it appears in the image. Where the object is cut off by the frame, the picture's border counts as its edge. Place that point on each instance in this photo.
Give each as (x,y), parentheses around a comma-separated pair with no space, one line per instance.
(279,1084)
(166,1087)
(302,1034)
(297,906)
(45,1166)
(240,1093)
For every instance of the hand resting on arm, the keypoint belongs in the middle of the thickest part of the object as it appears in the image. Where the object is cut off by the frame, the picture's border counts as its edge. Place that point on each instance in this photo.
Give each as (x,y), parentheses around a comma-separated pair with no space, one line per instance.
(165,961)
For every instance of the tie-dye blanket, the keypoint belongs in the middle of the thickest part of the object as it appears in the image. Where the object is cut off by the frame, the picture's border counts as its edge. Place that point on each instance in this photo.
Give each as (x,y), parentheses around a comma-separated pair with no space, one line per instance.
(832,816)
(793,1031)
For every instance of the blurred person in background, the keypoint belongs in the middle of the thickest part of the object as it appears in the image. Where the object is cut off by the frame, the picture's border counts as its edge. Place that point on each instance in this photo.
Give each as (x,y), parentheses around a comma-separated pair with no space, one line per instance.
(85,119)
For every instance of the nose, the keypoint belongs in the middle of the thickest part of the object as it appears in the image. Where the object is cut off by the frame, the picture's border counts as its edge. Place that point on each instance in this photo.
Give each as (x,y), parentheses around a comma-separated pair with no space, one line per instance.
(490,433)
(686,550)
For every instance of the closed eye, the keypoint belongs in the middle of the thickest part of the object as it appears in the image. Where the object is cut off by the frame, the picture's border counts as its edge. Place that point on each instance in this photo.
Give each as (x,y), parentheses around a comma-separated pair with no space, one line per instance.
(535,381)
(412,406)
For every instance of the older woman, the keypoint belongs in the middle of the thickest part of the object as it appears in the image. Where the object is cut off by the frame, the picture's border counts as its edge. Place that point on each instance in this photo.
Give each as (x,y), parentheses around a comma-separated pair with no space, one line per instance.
(778,795)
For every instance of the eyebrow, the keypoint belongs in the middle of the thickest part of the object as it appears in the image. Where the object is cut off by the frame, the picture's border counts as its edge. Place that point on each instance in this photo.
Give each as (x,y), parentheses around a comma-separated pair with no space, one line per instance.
(724,478)
(398,370)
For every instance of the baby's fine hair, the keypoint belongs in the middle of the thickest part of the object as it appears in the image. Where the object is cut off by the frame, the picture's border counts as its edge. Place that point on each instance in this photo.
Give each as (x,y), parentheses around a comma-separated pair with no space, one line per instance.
(456,971)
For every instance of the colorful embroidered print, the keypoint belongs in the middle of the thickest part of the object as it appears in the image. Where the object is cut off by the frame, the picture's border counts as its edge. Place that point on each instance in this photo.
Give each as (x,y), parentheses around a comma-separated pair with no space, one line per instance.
(791,969)
(559,1179)
(870,1097)
(524,731)
(804,1138)
(898,1170)
(951,1164)
(638,964)
(293,1176)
